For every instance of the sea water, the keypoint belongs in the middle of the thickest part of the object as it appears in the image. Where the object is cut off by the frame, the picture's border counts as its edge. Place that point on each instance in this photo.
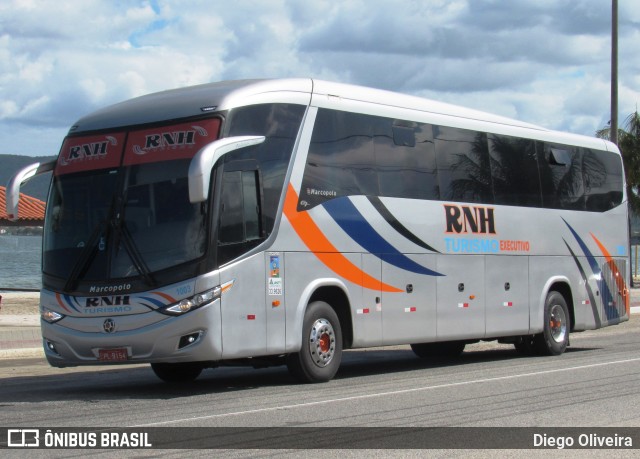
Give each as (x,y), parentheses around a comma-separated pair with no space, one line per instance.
(20,266)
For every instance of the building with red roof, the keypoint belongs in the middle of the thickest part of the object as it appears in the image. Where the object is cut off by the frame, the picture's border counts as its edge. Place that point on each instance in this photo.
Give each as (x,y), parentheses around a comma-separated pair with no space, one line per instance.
(30,211)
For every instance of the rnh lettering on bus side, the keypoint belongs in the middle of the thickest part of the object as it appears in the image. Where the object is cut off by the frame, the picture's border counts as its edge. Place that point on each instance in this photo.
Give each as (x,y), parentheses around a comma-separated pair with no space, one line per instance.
(469,219)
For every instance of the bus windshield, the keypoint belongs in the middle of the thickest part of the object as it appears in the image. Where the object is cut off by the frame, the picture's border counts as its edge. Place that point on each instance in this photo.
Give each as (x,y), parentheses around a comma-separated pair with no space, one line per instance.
(120,223)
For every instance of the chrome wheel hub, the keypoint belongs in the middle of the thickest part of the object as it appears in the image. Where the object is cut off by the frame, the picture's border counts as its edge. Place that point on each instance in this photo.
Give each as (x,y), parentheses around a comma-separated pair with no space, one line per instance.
(557,323)
(322,342)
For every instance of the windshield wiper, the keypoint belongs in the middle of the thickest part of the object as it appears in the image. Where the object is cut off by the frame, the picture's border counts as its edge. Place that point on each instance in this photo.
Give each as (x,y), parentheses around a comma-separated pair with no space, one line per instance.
(122,234)
(87,254)
(134,254)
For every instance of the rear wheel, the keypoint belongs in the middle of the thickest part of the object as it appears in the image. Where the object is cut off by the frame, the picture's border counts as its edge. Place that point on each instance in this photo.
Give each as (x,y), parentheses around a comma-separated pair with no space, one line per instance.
(554,338)
(321,353)
(176,372)
(435,350)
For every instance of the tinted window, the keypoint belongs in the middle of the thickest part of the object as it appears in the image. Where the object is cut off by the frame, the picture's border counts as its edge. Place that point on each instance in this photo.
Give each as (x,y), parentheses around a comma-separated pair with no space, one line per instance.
(462,157)
(279,123)
(356,154)
(78,207)
(165,227)
(405,160)
(561,176)
(239,214)
(239,221)
(341,160)
(602,176)
(514,169)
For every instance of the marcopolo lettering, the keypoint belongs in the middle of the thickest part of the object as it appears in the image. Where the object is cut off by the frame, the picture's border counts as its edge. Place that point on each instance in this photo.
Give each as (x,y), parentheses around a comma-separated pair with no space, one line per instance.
(469,219)
(109,288)
(118,300)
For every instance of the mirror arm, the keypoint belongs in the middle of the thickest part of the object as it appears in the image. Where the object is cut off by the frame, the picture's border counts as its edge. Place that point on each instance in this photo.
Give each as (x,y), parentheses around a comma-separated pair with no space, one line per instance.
(19,179)
(203,162)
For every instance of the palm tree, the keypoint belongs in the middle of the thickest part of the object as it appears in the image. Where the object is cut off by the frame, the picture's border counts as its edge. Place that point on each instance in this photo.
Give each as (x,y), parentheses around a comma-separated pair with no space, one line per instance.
(629,144)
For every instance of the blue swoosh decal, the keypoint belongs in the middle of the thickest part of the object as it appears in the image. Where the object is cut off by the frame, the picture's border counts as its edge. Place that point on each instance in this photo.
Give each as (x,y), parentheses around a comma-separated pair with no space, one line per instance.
(612,313)
(396,225)
(70,301)
(355,225)
(158,303)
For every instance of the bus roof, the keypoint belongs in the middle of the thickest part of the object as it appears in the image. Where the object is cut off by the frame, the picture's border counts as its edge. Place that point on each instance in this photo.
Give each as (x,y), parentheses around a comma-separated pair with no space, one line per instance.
(192,101)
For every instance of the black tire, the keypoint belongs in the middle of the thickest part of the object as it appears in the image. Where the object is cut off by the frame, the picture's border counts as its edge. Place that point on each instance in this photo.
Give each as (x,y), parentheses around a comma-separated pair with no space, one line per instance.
(321,353)
(177,372)
(554,338)
(438,350)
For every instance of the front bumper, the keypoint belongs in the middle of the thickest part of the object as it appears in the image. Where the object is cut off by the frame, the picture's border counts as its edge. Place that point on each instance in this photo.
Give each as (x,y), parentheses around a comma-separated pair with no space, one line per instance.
(159,339)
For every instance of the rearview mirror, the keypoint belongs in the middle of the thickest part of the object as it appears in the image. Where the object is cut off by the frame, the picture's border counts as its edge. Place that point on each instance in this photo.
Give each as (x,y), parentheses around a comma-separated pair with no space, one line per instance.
(203,162)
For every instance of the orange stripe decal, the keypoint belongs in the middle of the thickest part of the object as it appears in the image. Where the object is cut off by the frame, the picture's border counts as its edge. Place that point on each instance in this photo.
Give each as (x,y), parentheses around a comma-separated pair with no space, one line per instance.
(620,283)
(326,252)
(169,298)
(59,300)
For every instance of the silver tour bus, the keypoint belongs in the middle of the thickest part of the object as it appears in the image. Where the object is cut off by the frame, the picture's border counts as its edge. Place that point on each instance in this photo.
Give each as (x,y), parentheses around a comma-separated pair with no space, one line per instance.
(283,221)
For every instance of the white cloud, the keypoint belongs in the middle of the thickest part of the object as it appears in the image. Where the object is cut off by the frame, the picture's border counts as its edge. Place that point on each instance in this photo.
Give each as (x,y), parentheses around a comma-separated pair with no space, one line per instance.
(8,109)
(544,62)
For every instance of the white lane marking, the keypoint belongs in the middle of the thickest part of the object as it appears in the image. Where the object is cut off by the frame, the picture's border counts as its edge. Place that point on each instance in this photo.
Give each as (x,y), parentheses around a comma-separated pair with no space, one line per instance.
(385,394)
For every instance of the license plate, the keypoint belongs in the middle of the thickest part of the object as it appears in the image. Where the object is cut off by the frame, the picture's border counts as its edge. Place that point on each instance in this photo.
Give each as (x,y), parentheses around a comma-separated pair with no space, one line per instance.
(113,355)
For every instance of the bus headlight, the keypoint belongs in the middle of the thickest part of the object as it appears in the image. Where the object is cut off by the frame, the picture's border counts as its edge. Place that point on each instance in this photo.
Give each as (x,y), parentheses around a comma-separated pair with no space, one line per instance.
(194,302)
(49,316)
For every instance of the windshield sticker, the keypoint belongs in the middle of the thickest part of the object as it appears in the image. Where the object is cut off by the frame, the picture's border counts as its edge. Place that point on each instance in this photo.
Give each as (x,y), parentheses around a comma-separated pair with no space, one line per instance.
(178,141)
(90,153)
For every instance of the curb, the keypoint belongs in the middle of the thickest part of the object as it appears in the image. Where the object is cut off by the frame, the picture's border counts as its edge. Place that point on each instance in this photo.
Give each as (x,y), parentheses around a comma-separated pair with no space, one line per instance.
(20,342)
(23,353)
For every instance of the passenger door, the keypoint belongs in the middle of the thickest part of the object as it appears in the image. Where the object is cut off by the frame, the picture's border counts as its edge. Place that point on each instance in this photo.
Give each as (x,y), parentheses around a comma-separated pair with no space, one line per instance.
(240,228)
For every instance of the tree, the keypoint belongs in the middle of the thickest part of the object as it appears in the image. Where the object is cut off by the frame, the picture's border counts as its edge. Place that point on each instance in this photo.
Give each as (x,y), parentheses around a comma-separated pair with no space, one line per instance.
(629,144)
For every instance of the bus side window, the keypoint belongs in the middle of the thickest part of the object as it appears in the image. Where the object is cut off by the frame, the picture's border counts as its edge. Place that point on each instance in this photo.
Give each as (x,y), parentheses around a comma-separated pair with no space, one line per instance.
(561,176)
(462,158)
(240,225)
(514,170)
(602,175)
(231,228)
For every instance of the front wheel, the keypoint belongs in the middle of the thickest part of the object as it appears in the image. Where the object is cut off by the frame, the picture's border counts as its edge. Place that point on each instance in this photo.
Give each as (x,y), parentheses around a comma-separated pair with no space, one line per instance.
(321,353)
(177,372)
(554,338)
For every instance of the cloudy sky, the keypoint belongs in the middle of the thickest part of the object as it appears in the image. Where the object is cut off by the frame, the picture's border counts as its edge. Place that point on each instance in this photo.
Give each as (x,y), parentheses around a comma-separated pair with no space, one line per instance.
(545,62)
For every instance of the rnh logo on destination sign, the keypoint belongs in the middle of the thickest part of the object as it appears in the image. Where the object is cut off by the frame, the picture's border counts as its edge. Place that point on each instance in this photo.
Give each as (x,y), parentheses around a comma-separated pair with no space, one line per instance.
(88,150)
(118,300)
(170,139)
(469,219)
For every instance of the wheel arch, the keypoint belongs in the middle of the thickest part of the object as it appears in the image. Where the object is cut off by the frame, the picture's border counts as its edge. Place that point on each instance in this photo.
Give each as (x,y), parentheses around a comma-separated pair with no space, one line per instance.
(333,292)
(561,285)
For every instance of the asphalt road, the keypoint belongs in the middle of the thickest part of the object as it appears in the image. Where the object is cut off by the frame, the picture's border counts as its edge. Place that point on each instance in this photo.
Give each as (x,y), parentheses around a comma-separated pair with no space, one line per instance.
(594,384)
